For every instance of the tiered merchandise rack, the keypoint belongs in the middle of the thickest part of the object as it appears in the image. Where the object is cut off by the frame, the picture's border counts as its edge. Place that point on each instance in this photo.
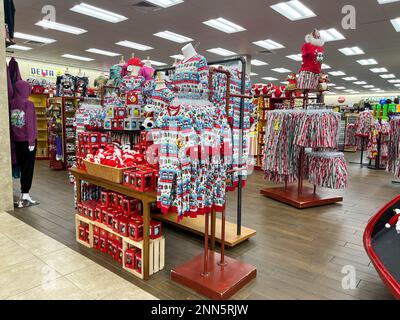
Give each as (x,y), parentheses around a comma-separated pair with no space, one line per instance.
(40,102)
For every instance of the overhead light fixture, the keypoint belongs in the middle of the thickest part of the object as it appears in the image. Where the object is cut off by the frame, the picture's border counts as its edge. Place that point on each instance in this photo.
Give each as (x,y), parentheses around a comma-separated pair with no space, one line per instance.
(387,1)
(173,36)
(19,47)
(224,25)
(103,52)
(331,93)
(353,51)
(222,52)
(155,63)
(285,82)
(98,13)
(281,70)
(293,10)
(74,57)
(369,86)
(350,79)
(379,70)
(388,76)
(47,24)
(325,67)
(269,44)
(349,90)
(270,79)
(253,74)
(165,3)
(396,24)
(367,62)
(397,85)
(394,81)
(331,35)
(178,56)
(360,83)
(340,88)
(258,63)
(295,57)
(134,45)
(337,73)
(29,37)
(331,85)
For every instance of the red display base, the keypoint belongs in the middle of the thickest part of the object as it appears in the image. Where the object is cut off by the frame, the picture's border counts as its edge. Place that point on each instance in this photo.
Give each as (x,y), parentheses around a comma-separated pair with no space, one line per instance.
(221,283)
(307,199)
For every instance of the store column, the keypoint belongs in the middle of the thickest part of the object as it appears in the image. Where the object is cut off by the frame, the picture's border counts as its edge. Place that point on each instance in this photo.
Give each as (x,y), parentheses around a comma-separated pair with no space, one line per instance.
(6,189)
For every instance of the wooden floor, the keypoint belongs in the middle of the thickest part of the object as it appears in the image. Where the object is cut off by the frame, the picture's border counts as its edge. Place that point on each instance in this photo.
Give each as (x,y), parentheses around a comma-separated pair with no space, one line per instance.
(299,254)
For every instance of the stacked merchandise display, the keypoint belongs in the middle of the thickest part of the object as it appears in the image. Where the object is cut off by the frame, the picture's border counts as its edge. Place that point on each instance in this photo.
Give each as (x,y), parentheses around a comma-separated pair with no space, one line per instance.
(40,101)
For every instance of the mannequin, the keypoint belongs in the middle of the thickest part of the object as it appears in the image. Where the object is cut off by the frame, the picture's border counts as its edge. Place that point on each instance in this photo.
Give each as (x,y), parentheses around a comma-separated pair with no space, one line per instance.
(160,83)
(188,51)
(24,137)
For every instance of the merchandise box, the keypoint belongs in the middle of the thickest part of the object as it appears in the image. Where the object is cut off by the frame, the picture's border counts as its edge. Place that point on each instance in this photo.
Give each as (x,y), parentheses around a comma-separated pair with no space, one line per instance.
(105,198)
(130,258)
(111,213)
(119,113)
(144,181)
(96,231)
(131,206)
(132,98)
(123,226)
(121,199)
(117,124)
(103,244)
(115,223)
(96,241)
(107,124)
(138,261)
(135,228)
(134,111)
(120,253)
(155,230)
(110,112)
(103,233)
(80,209)
(94,138)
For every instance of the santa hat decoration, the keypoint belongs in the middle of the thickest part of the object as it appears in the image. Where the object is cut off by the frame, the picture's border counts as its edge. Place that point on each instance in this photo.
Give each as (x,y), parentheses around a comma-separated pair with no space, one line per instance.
(134,62)
(315,38)
(393,221)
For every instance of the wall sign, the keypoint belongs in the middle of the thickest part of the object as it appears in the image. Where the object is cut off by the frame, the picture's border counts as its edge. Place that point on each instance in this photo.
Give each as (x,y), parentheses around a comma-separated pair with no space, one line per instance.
(44,73)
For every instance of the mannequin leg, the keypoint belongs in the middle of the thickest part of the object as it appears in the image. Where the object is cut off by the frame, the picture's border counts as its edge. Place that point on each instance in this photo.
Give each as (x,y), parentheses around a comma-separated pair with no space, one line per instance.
(26,162)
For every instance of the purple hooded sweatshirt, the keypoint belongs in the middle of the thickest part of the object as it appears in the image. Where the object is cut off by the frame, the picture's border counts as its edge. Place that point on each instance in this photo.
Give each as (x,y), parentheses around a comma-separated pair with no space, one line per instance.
(23,114)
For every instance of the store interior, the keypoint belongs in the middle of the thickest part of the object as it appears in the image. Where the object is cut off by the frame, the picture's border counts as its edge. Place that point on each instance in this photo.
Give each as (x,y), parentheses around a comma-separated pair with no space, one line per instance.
(204,149)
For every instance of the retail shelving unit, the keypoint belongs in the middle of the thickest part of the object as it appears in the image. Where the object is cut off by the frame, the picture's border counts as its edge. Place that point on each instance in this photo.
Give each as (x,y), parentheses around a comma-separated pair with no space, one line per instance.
(40,101)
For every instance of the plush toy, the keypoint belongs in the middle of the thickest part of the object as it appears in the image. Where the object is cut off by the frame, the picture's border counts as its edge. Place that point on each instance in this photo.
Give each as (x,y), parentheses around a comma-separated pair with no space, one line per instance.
(292,85)
(395,220)
(313,56)
(323,82)
(148,122)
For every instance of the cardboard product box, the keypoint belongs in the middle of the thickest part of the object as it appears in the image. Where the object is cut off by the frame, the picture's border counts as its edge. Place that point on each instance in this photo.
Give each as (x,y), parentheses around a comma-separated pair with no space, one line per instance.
(111,248)
(120,252)
(103,247)
(132,98)
(104,214)
(91,208)
(121,199)
(104,138)
(123,226)
(110,112)
(103,233)
(115,225)
(119,113)
(94,138)
(155,229)
(114,199)
(84,233)
(98,214)
(126,180)
(144,181)
(135,227)
(130,259)
(108,124)
(128,124)
(138,261)
(96,230)
(111,213)
(91,149)
(96,241)
(105,198)
(131,206)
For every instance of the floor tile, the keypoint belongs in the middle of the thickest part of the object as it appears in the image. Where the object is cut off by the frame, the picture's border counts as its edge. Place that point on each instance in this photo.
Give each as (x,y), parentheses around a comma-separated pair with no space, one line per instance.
(129,292)
(11,253)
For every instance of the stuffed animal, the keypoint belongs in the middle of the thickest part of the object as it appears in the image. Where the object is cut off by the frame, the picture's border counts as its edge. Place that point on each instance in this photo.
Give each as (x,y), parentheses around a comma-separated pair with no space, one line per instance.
(148,122)
(292,85)
(323,82)
(395,220)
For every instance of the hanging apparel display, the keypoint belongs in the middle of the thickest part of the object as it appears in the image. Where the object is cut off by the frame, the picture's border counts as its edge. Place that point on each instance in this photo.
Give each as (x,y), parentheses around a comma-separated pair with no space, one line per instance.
(379,134)
(65,85)
(393,160)
(9,18)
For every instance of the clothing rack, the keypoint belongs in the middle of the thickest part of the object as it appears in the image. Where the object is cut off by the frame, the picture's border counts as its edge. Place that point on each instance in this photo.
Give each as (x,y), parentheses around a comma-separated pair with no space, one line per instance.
(377,165)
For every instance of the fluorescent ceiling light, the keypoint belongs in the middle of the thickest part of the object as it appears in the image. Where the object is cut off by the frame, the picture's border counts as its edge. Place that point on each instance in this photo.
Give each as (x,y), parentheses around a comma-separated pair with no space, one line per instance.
(331,35)
(178,56)
(103,52)
(360,83)
(253,74)
(155,63)
(285,82)
(98,13)
(369,86)
(379,70)
(331,93)
(349,90)
(222,52)
(397,85)
(388,76)
(293,10)
(258,63)
(331,85)
(224,25)
(29,37)
(337,73)
(173,36)
(134,45)
(367,62)
(350,79)
(281,70)
(71,56)
(325,66)
(396,24)
(353,51)
(269,44)
(340,88)
(295,57)
(394,81)
(47,24)
(386,1)
(270,79)
(19,47)
(165,3)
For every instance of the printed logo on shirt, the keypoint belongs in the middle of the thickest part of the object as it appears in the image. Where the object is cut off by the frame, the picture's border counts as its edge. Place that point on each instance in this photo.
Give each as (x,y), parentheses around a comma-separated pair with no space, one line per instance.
(18,118)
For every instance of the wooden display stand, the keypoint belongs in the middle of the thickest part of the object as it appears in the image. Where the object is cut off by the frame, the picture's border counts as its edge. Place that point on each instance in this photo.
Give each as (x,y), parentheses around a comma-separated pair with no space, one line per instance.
(40,101)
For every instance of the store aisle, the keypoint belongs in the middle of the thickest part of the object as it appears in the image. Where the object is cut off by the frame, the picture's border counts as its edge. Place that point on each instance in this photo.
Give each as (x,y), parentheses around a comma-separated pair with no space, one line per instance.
(35,266)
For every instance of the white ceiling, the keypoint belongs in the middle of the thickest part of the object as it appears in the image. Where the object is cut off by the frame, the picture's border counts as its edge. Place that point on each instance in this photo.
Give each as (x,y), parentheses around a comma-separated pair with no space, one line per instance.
(374,34)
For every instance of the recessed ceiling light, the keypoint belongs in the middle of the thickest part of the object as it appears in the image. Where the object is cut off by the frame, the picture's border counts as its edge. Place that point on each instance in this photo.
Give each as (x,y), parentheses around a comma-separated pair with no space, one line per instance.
(155,63)
(353,51)
(258,63)
(74,57)
(349,90)
(165,3)
(396,24)
(325,66)
(368,86)
(98,13)
(295,57)
(173,36)
(270,79)
(293,10)
(350,79)
(388,76)
(360,83)
(253,74)
(379,70)
(394,81)
(386,1)
(178,56)
(224,25)
(269,44)
(337,73)
(19,47)
(29,37)
(47,24)
(134,45)
(281,70)
(340,88)
(103,52)
(222,52)
(331,85)
(367,62)
(331,35)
